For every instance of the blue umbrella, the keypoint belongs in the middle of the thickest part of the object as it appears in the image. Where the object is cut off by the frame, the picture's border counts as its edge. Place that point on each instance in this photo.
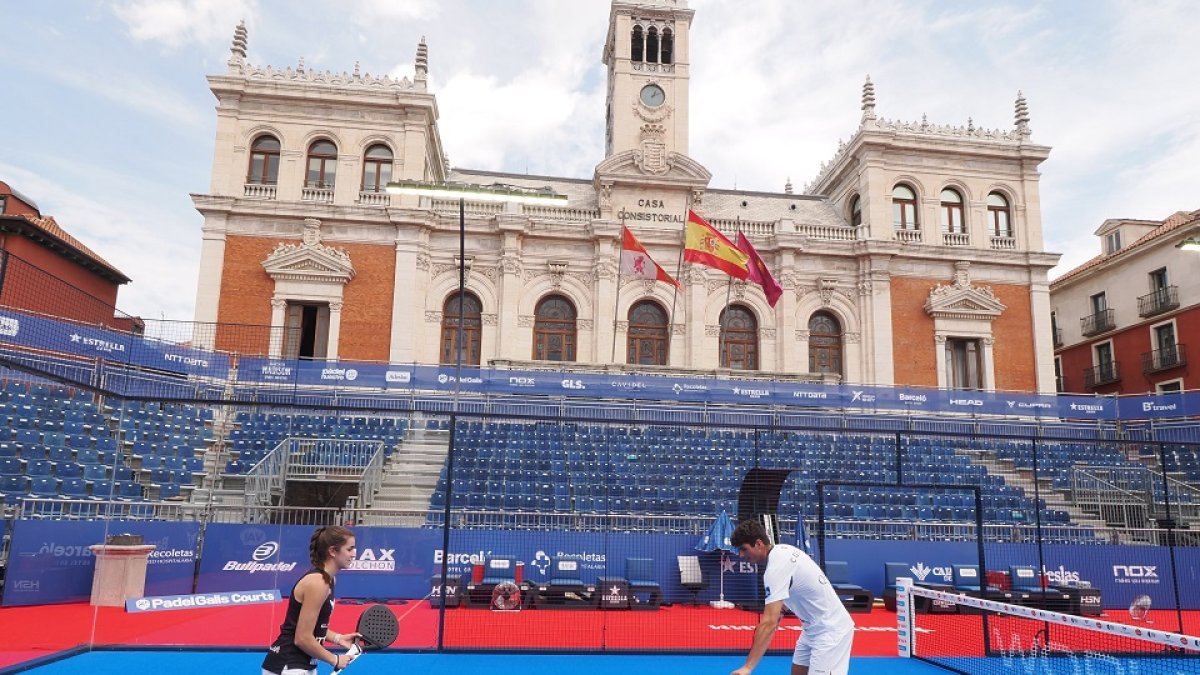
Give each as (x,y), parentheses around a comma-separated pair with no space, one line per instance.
(717,539)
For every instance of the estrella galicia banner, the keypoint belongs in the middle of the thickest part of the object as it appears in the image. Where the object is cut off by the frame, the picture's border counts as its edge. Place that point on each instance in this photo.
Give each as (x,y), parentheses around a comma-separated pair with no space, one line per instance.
(50,561)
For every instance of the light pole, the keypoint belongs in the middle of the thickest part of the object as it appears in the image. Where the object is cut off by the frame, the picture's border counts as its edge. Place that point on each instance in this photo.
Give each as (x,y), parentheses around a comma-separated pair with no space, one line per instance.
(462,192)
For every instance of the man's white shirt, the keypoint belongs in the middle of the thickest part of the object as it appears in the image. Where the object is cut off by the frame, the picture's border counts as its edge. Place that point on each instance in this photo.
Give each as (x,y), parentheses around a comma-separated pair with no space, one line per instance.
(794,578)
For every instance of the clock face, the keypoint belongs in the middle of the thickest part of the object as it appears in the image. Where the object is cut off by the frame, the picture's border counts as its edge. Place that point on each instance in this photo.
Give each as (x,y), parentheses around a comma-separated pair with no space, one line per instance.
(653,95)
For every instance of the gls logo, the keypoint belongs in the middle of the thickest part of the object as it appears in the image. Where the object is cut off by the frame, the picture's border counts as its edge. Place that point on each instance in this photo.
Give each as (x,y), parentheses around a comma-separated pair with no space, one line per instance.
(573,384)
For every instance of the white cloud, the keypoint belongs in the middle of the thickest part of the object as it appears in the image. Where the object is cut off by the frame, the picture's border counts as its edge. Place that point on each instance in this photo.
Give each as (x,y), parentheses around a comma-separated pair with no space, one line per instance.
(142,242)
(175,23)
(136,95)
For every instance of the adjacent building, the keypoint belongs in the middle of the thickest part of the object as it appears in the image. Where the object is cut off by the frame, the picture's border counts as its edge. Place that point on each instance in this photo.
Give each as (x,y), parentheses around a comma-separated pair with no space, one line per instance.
(1122,319)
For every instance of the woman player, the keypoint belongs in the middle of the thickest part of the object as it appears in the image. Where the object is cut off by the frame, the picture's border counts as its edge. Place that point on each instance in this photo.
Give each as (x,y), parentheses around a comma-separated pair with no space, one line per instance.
(306,624)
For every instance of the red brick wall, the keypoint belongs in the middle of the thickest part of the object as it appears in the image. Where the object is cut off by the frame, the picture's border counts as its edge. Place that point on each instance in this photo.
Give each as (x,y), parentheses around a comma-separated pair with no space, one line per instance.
(40,280)
(246,291)
(1128,347)
(912,336)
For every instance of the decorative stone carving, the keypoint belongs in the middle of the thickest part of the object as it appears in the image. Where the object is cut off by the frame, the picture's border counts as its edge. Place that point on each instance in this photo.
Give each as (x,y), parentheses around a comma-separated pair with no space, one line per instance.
(678,329)
(826,287)
(852,338)
(802,335)
(865,288)
(940,339)
(697,198)
(622,326)
(788,281)
(336,306)
(605,195)
(712,330)
(510,264)
(963,300)
(989,340)
(490,319)
(423,261)
(648,286)
(695,275)
(558,269)
(605,269)
(739,290)
(584,324)
(492,274)
(525,320)
(310,260)
(278,303)
(433,317)
(767,333)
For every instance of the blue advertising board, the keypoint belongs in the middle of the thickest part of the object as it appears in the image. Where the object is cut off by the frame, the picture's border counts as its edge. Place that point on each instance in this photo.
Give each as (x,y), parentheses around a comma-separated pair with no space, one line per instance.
(50,561)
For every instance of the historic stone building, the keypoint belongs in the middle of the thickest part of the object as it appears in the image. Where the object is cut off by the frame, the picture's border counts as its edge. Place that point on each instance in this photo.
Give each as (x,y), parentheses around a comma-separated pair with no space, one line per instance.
(914,258)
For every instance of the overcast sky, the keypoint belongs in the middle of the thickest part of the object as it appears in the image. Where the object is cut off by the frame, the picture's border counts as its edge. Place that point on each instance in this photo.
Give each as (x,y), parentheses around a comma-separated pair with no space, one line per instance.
(108,122)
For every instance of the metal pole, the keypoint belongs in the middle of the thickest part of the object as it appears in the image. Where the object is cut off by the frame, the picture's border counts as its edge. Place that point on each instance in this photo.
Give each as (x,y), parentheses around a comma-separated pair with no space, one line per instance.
(458,357)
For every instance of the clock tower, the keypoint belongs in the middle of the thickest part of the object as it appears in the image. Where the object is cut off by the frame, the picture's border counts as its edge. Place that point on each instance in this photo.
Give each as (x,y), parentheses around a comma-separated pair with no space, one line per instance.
(647,57)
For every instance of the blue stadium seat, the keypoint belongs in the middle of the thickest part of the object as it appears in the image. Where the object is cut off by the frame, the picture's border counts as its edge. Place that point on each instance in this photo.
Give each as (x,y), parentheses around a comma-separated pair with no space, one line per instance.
(43,486)
(74,488)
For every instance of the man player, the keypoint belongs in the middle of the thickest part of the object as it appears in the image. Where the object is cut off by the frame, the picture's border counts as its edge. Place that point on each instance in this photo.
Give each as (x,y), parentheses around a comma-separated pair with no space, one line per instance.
(793,579)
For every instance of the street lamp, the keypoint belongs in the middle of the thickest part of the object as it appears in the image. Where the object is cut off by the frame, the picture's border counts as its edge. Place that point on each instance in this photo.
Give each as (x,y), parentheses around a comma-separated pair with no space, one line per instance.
(497,192)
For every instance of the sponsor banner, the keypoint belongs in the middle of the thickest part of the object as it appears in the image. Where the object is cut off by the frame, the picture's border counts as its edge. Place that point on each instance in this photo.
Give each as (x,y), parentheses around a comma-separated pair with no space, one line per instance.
(809,395)
(445,378)
(1162,405)
(50,560)
(201,600)
(98,343)
(1086,407)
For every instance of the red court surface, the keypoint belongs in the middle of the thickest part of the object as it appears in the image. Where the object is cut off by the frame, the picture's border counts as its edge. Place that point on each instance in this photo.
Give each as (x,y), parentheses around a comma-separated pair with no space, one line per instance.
(34,632)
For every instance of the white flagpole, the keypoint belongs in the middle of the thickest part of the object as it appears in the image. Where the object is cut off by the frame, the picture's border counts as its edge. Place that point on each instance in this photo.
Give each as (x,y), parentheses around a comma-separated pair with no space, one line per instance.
(617,296)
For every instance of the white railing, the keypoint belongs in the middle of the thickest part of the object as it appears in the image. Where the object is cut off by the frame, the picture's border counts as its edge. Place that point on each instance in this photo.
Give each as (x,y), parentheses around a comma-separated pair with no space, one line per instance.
(265,479)
(753,228)
(558,213)
(1004,243)
(956,239)
(831,232)
(259,191)
(313,194)
(908,236)
(371,198)
(449,206)
(331,459)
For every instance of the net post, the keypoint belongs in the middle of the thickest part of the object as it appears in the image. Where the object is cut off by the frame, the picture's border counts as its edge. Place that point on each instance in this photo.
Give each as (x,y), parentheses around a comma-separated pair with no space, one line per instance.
(904,623)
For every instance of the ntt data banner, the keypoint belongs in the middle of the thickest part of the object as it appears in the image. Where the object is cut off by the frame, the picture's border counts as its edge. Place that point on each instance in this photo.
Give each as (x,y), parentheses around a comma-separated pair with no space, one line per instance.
(51,561)
(42,333)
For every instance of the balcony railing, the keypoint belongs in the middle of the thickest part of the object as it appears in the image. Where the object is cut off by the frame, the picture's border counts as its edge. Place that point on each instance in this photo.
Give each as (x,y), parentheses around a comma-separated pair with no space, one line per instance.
(1164,359)
(317,194)
(1105,373)
(1003,243)
(1100,322)
(956,239)
(1161,300)
(259,190)
(908,236)
(372,198)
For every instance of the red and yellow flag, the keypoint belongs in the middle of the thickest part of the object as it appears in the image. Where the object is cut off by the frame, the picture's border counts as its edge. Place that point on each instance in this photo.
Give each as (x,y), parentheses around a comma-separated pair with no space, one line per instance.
(703,244)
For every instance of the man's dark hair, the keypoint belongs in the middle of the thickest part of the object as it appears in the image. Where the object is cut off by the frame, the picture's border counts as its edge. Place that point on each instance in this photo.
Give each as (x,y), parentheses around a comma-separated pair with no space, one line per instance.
(748,532)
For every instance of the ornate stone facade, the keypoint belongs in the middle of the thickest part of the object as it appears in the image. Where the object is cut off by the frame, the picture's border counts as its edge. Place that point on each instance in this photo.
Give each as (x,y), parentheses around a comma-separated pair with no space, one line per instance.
(834,249)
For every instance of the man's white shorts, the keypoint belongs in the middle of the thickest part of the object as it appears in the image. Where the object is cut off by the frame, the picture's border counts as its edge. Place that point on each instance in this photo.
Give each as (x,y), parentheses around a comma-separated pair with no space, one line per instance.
(825,654)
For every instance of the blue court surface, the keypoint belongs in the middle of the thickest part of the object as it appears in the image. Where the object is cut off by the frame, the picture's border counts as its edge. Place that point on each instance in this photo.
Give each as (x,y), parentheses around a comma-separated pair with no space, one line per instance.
(210,662)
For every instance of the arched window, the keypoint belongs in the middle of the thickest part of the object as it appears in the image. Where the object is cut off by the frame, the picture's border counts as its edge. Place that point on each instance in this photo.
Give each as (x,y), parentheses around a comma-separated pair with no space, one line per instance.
(377,168)
(264,161)
(472,324)
(952,212)
(824,344)
(855,211)
(322,165)
(637,45)
(554,329)
(652,45)
(904,208)
(740,351)
(668,46)
(646,343)
(999,216)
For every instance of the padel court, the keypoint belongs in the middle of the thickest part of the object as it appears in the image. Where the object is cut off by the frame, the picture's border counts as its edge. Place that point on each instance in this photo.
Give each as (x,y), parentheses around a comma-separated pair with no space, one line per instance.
(697,639)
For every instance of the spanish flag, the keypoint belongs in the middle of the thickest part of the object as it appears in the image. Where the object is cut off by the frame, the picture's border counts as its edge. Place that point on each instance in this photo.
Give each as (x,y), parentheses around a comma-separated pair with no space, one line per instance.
(703,244)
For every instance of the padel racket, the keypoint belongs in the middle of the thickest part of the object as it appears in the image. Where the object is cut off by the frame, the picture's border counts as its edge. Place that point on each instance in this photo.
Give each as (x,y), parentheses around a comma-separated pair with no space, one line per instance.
(378,629)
